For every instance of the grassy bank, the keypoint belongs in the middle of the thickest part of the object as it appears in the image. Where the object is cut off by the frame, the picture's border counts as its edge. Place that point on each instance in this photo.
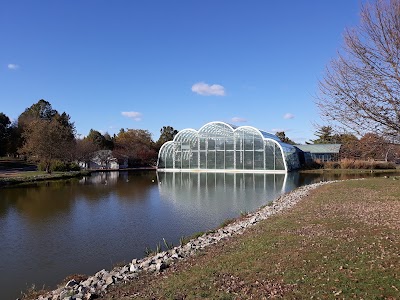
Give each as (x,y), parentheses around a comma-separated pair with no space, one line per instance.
(350,171)
(31,176)
(342,241)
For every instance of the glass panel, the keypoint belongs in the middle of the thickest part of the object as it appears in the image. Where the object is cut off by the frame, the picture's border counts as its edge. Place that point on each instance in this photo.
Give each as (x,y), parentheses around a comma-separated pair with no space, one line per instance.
(194,160)
(211,144)
(239,160)
(229,144)
(220,163)
(229,160)
(219,144)
(203,160)
(269,156)
(248,142)
(178,160)
(161,161)
(248,160)
(239,141)
(259,160)
(211,160)
(185,159)
(194,144)
(258,143)
(202,143)
(169,160)
(279,165)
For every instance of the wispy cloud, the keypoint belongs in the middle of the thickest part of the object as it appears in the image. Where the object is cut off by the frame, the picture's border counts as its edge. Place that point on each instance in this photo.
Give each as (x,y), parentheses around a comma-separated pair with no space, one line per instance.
(275,130)
(13,66)
(137,116)
(238,120)
(205,89)
(288,116)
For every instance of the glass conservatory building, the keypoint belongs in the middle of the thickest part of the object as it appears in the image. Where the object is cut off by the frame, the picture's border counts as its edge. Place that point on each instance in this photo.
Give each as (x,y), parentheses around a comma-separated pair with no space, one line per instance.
(221,147)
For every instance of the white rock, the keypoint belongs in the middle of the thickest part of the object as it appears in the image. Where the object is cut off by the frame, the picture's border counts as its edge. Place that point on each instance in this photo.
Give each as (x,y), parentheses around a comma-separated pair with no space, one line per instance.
(133,268)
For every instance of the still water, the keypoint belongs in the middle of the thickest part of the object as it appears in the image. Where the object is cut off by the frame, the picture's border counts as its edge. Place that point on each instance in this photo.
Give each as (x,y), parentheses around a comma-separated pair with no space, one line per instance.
(53,229)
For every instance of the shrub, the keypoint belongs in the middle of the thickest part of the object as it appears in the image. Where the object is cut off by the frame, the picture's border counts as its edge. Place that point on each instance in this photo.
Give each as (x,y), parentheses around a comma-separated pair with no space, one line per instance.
(59,166)
(331,165)
(346,163)
(365,164)
(361,164)
(384,165)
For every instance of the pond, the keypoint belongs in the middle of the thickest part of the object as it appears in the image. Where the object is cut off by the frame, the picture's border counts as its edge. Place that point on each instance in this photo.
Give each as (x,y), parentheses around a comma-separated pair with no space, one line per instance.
(50,230)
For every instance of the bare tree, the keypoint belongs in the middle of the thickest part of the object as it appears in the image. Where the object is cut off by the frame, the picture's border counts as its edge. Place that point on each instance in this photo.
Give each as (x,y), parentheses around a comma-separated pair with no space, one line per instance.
(361,88)
(85,150)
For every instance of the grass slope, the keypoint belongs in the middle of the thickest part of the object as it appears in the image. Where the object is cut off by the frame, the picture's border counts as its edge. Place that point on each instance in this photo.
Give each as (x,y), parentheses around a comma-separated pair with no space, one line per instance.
(342,241)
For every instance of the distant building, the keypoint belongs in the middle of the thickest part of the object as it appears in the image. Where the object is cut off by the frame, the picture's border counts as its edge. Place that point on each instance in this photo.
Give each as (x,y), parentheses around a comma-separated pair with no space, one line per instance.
(104,159)
(322,152)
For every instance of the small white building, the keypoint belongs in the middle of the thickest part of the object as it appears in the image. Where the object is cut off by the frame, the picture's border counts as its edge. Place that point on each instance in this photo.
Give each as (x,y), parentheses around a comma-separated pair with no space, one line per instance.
(103,159)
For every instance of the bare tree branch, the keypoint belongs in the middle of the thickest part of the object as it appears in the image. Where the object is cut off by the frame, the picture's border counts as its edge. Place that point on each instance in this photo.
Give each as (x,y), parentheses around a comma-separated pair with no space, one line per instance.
(361,87)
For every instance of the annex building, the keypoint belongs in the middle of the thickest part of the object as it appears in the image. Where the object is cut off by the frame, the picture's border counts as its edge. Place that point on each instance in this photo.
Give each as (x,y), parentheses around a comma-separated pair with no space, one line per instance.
(222,147)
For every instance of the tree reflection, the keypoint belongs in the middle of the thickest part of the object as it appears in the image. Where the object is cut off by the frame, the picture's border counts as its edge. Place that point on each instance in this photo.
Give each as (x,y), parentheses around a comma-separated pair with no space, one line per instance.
(46,200)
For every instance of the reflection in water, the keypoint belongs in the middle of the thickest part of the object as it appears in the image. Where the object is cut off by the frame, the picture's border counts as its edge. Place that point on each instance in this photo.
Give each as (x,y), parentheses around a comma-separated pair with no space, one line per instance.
(214,191)
(49,230)
(42,200)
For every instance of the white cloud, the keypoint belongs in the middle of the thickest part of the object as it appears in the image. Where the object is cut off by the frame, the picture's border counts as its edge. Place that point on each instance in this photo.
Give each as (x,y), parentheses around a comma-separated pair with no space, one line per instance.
(13,66)
(137,116)
(275,130)
(205,89)
(238,120)
(288,116)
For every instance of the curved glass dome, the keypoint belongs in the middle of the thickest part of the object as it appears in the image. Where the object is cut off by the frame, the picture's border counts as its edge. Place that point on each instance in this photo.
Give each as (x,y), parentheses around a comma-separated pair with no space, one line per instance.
(221,147)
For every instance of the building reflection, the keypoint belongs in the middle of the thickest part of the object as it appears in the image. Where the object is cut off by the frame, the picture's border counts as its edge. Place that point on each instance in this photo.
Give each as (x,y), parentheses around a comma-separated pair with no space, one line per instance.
(101,178)
(207,188)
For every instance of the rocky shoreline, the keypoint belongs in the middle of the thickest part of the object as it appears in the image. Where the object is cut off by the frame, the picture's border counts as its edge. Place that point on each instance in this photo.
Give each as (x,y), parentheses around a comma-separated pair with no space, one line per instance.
(98,284)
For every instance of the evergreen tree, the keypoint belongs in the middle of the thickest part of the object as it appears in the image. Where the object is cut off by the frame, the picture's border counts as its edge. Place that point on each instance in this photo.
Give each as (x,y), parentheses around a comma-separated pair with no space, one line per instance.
(282,136)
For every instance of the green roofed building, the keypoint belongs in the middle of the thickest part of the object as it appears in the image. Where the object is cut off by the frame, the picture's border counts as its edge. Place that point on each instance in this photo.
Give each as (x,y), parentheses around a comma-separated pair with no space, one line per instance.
(221,147)
(322,152)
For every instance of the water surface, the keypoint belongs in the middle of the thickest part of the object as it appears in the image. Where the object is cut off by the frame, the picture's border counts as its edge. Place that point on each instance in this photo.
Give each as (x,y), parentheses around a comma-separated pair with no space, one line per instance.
(50,230)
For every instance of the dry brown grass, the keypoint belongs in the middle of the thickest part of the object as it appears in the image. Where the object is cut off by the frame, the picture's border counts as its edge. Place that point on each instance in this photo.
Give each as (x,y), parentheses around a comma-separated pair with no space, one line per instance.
(343,241)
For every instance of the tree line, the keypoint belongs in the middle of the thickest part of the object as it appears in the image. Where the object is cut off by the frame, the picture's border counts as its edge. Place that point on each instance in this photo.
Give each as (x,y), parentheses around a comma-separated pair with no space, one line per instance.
(370,146)
(47,137)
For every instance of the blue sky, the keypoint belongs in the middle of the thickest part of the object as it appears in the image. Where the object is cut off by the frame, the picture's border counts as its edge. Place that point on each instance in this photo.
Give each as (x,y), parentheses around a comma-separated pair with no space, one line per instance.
(147,64)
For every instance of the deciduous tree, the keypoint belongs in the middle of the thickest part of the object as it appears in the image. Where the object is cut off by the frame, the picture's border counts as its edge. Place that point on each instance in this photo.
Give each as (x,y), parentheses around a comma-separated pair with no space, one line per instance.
(373,146)
(137,145)
(41,110)
(361,87)
(103,142)
(14,139)
(85,149)
(4,130)
(49,140)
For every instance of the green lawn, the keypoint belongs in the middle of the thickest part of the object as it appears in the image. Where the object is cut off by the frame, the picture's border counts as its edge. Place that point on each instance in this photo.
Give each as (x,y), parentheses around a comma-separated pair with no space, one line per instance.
(16,171)
(342,241)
